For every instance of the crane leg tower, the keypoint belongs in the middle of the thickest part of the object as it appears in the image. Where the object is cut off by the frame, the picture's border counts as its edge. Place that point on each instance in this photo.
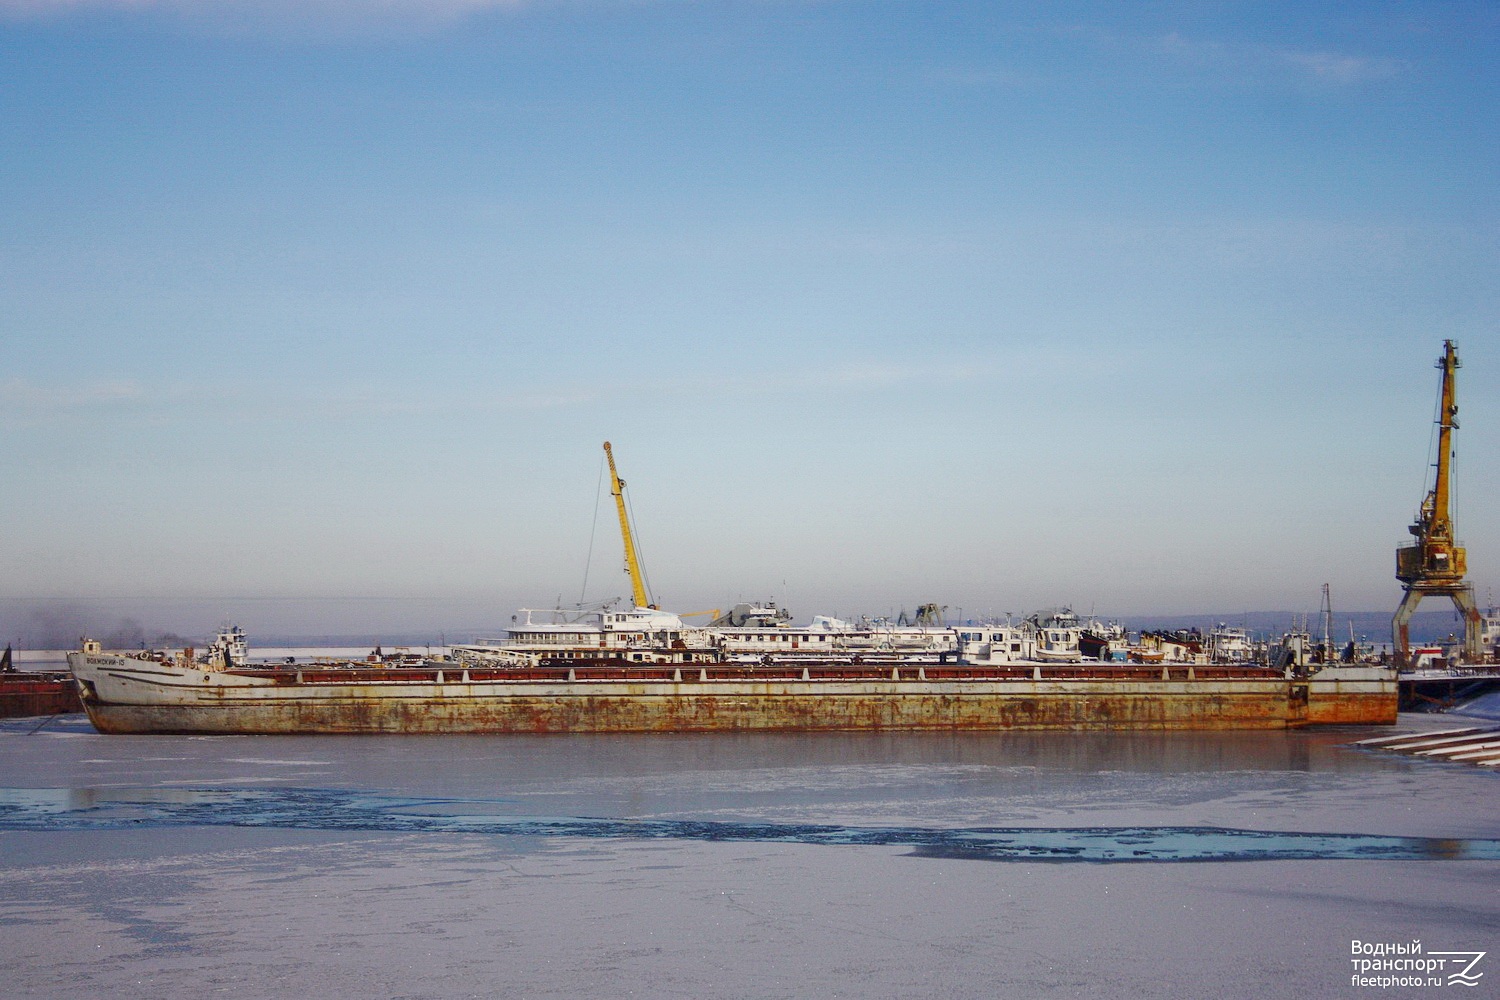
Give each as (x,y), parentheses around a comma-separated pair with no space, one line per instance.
(1434,564)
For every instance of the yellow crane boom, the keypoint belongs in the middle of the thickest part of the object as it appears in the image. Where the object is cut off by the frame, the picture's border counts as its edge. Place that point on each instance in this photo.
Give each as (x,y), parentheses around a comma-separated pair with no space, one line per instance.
(632,560)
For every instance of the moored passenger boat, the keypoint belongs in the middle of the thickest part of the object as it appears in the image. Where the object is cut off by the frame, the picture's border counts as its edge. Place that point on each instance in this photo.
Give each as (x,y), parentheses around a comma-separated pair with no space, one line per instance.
(1227,644)
(1057,634)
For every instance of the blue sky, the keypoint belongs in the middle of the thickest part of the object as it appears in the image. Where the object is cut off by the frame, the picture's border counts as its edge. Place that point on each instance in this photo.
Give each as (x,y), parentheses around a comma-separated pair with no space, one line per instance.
(1126,306)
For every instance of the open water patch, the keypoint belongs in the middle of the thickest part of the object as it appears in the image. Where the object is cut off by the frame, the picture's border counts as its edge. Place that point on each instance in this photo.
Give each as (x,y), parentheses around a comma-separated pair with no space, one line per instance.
(341,810)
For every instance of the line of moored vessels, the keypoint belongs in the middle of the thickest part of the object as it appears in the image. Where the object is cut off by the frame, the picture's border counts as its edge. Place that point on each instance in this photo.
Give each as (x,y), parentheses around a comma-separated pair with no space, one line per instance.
(765,634)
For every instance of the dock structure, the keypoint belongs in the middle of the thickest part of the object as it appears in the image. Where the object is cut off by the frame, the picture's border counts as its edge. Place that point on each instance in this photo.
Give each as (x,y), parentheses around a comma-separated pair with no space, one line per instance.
(1478,745)
(1441,688)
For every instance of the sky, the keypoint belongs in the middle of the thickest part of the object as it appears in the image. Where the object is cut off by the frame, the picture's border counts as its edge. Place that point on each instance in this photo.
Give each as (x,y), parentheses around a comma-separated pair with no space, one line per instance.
(1129,307)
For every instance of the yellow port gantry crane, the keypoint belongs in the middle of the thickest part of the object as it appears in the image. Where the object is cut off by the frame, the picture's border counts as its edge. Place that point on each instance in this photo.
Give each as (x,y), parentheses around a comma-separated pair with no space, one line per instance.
(632,559)
(1434,564)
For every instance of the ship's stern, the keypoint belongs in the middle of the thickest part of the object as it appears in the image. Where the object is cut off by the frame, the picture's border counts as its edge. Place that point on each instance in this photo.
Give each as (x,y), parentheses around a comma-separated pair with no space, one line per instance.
(1352,695)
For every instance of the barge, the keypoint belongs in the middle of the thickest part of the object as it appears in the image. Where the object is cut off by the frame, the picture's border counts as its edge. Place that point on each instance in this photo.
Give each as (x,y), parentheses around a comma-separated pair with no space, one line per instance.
(126,694)
(33,692)
(27,694)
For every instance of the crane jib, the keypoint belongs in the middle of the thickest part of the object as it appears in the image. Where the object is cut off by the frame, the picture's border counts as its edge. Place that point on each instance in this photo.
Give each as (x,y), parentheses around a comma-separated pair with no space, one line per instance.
(632,558)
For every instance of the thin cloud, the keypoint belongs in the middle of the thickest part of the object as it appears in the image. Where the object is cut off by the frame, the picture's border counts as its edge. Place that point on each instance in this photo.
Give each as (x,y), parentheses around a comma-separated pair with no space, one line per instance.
(1249,242)
(20,395)
(1248,61)
(856,378)
(32,402)
(277,18)
(1335,67)
(375,8)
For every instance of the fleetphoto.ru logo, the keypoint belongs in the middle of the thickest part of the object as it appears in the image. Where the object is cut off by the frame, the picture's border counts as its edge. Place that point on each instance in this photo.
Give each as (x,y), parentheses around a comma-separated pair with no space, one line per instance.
(1384,965)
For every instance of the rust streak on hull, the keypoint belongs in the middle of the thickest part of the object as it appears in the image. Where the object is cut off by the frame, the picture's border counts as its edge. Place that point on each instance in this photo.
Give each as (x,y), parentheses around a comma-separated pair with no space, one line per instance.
(123,696)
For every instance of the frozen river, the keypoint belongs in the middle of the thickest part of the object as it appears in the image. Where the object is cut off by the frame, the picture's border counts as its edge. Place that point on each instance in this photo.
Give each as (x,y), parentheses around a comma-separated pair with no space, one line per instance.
(829,865)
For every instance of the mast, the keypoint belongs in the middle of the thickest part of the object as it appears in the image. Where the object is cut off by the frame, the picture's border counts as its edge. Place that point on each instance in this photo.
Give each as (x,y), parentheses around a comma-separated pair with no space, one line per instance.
(632,560)
(1327,612)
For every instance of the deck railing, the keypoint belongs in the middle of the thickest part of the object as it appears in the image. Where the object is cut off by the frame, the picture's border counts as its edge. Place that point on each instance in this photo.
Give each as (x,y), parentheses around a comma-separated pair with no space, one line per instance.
(695,673)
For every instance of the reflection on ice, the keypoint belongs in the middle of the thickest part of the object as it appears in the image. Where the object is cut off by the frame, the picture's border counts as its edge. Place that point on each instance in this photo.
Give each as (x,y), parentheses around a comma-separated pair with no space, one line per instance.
(53,809)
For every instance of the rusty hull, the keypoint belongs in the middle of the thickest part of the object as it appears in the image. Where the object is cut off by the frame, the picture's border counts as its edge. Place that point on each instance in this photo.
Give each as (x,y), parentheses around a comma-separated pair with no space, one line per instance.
(23,694)
(1342,695)
(730,699)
